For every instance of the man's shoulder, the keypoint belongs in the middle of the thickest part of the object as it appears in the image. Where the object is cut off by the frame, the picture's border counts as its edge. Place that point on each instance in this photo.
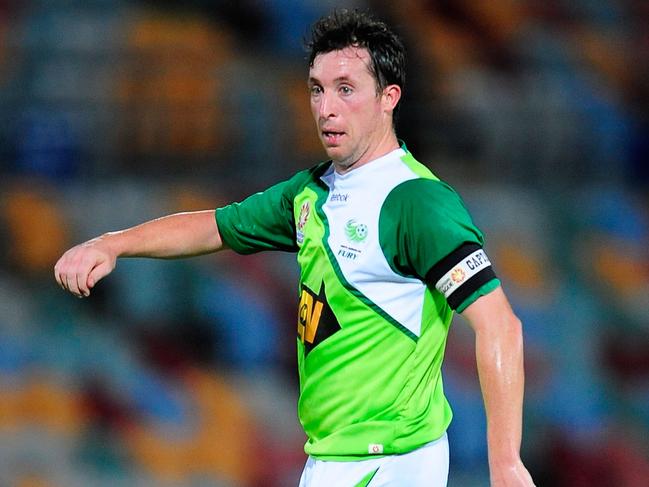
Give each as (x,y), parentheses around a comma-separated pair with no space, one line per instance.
(420,190)
(424,199)
(293,185)
(309,175)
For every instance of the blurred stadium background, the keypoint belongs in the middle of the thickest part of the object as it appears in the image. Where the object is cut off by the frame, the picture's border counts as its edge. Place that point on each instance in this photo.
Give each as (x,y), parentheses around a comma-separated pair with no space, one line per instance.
(182,373)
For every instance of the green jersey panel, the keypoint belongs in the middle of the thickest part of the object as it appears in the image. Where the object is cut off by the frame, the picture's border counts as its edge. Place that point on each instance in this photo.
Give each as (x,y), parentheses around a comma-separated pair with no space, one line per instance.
(422,221)
(264,220)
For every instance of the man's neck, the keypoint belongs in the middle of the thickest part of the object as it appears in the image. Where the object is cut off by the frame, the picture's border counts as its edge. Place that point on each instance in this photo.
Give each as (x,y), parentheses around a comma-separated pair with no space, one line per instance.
(385,146)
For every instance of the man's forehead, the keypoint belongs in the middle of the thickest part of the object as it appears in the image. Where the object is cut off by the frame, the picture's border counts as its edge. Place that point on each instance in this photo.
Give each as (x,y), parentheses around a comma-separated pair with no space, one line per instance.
(342,61)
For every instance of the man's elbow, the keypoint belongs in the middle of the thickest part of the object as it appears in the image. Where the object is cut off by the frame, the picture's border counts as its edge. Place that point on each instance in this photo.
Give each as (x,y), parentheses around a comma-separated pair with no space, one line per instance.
(514,332)
(514,324)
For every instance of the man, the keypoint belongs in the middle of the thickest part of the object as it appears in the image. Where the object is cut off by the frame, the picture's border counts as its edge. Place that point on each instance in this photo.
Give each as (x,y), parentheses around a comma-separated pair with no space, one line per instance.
(387,252)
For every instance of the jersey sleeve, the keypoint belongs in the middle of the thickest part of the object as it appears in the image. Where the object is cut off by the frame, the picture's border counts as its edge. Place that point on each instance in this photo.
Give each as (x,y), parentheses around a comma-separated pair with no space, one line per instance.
(426,232)
(263,221)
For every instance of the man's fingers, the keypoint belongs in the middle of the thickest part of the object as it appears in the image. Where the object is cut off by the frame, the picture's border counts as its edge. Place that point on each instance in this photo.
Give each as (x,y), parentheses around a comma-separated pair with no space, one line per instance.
(80,268)
(73,284)
(89,271)
(71,275)
(57,276)
(98,272)
(63,270)
(74,287)
(82,282)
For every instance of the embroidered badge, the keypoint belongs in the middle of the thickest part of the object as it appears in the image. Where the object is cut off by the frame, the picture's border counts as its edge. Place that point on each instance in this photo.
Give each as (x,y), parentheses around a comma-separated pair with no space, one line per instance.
(305,211)
(356,232)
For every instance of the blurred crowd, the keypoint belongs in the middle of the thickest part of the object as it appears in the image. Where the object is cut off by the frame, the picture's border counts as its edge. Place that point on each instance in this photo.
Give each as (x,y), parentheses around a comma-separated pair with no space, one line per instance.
(182,373)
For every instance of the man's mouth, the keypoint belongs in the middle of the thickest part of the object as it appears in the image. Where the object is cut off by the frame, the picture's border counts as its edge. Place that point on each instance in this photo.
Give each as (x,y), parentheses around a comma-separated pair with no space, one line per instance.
(332,137)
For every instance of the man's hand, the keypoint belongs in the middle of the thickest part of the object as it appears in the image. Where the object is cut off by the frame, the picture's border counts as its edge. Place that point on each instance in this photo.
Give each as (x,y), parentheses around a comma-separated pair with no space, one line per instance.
(512,475)
(81,267)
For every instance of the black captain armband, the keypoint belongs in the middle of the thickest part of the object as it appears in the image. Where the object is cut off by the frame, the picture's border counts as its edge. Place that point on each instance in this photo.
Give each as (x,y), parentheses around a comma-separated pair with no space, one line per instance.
(461,273)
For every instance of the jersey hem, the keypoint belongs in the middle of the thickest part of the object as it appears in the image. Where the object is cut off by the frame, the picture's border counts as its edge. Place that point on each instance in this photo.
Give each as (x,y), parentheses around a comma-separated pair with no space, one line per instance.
(358,458)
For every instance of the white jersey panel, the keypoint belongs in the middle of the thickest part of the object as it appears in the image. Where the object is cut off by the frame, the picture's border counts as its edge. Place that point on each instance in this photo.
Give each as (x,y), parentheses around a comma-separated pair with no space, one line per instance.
(353,209)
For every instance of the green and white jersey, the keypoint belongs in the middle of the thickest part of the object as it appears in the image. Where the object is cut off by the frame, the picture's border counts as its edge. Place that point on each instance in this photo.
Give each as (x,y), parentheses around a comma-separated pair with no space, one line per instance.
(386,252)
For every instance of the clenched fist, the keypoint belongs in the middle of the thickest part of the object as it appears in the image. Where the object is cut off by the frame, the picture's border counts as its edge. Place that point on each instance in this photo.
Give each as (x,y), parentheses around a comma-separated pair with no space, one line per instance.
(81,267)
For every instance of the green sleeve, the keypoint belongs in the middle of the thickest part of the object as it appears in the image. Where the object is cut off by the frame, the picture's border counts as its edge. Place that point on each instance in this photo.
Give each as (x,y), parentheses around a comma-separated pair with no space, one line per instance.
(422,221)
(263,221)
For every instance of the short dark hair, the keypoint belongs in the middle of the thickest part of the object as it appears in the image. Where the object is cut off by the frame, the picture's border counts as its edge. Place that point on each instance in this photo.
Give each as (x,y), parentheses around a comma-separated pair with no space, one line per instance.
(354,28)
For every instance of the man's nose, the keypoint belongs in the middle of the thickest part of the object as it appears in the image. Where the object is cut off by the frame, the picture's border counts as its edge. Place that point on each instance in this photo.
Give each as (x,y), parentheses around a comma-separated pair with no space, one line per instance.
(327,106)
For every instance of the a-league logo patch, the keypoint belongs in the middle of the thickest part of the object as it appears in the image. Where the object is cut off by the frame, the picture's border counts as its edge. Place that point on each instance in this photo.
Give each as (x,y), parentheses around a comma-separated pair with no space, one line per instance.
(305,212)
(458,275)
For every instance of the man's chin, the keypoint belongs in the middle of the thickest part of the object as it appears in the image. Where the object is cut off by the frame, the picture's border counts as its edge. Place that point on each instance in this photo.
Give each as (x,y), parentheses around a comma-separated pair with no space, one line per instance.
(334,152)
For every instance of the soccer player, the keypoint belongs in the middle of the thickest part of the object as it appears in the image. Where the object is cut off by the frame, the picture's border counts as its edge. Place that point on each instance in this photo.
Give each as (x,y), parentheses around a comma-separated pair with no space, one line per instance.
(387,253)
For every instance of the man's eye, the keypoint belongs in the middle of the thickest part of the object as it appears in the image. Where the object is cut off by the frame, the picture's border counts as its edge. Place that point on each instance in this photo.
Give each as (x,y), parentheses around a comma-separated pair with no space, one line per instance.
(345,90)
(316,90)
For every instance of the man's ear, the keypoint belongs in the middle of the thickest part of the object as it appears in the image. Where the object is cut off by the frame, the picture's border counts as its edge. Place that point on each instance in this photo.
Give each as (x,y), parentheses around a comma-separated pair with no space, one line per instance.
(391,96)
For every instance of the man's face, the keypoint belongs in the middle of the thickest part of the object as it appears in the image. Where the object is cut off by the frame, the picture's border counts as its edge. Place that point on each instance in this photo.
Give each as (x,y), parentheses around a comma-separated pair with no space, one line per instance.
(350,117)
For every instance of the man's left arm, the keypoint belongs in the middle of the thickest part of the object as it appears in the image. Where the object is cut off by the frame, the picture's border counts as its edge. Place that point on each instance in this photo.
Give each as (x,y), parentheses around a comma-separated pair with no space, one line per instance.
(499,354)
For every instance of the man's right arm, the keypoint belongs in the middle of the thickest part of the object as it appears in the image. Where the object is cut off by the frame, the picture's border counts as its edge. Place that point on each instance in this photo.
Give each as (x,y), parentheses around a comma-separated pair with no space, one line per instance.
(178,235)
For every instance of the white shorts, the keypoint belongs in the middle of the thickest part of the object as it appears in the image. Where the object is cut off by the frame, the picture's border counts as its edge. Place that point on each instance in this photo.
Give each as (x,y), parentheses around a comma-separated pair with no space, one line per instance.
(424,467)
